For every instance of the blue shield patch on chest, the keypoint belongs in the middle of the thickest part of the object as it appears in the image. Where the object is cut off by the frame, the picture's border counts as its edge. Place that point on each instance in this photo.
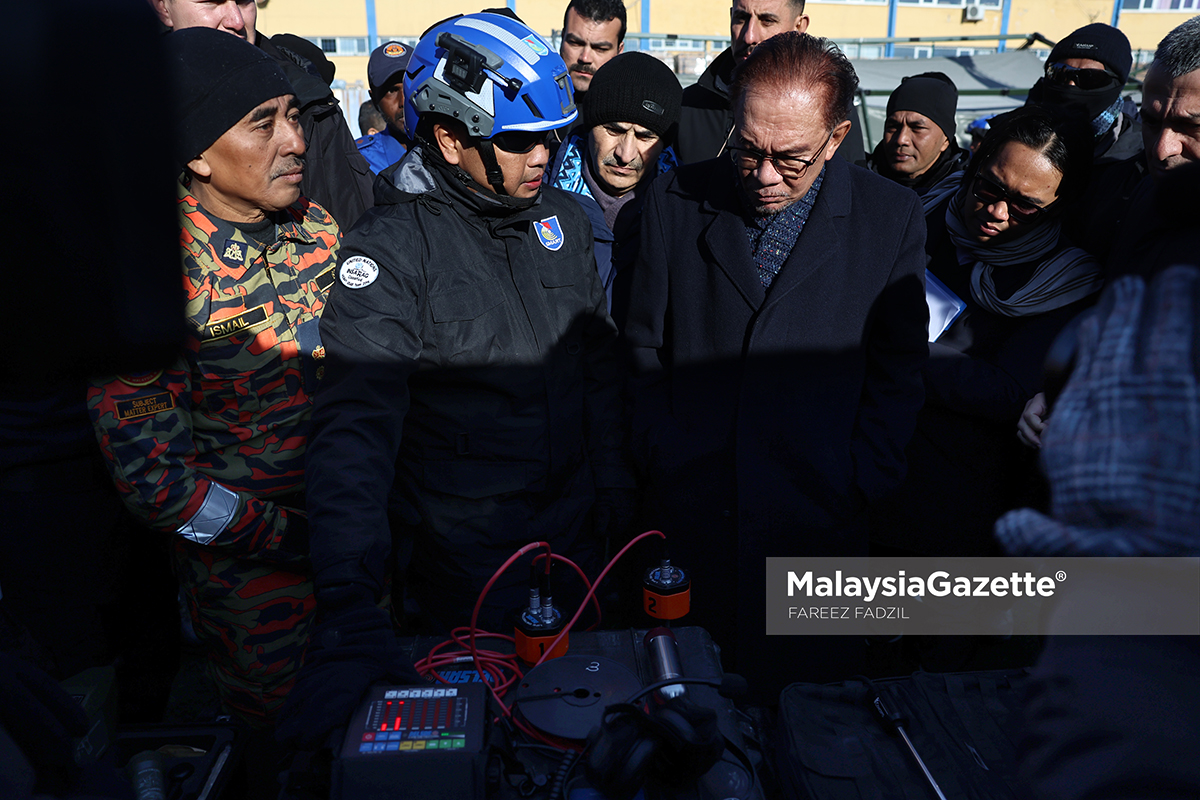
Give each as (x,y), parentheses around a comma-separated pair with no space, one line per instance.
(549,233)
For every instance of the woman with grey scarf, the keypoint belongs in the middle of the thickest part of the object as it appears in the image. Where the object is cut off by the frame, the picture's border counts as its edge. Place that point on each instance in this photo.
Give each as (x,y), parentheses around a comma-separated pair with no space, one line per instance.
(997,246)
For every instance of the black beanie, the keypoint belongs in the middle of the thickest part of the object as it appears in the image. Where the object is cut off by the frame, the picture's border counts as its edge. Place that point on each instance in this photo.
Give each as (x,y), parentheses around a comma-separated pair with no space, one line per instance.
(1099,42)
(219,78)
(636,88)
(930,94)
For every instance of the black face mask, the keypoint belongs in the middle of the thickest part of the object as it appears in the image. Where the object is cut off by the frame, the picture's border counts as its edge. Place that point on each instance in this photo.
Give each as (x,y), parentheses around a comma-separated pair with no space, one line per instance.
(1082,104)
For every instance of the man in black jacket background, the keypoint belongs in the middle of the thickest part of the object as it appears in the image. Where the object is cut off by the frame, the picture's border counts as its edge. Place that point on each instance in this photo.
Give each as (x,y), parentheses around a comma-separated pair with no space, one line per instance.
(707,115)
(1084,79)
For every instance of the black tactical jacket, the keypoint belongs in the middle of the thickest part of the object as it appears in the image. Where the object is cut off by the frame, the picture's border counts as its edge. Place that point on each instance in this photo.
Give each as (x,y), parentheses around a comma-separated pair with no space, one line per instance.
(470,356)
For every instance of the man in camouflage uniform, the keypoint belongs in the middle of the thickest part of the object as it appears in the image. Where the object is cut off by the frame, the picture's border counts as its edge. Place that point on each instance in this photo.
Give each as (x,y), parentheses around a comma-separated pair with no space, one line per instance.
(212,449)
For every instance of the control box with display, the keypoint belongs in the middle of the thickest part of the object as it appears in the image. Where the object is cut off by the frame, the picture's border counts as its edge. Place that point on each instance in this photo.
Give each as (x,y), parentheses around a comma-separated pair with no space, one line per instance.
(404,737)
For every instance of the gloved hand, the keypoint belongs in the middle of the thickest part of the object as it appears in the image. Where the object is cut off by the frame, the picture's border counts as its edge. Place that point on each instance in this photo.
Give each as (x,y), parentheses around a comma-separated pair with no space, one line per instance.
(613,513)
(1123,454)
(352,647)
(42,719)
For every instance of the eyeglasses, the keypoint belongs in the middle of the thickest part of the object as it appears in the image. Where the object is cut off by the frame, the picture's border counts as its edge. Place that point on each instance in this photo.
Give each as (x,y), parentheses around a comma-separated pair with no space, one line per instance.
(1062,75)
(788,166)
(988,191)
(520,141)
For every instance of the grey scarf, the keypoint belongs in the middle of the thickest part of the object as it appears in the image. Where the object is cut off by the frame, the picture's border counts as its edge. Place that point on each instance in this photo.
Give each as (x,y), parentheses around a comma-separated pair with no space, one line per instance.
(1063,275)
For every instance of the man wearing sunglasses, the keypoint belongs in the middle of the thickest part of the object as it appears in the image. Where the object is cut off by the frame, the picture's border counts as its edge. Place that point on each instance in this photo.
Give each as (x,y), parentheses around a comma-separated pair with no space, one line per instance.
(471,370)
(1085,75)
(777,326)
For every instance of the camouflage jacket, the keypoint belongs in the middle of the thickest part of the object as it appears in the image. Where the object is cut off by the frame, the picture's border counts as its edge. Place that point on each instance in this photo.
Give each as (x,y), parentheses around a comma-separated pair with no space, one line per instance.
(199,448)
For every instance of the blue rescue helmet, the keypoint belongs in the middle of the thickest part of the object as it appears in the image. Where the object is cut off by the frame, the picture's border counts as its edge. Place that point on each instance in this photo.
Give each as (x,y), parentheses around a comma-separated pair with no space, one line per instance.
(492,73)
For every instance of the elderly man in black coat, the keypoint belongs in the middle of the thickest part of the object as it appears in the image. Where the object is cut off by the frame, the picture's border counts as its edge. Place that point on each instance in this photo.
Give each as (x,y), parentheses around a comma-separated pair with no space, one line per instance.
(777,328)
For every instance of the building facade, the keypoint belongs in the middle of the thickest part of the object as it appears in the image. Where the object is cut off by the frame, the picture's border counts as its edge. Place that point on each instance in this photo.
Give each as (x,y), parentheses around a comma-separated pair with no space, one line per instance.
(694,30)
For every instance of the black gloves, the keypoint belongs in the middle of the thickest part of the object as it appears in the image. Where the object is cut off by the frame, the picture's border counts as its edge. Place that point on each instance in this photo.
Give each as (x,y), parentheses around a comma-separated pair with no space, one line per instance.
(352,647)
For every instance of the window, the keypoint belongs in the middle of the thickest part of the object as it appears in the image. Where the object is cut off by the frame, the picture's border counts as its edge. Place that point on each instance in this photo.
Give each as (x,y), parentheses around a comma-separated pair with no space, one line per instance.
(1160,5)
(961,3)
(342,45)
(918,51)
(863,51)
(676,44)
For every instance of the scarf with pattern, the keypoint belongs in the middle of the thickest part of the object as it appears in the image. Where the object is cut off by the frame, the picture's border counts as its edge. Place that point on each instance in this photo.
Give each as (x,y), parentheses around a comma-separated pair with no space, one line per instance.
(1063,274)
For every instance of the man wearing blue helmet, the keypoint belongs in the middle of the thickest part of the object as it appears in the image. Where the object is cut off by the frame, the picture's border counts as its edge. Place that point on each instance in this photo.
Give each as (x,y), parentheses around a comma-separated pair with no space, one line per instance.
(470,369)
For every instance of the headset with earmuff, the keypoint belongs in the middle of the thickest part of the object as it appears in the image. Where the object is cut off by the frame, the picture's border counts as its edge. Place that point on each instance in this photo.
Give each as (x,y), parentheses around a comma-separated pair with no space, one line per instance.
(675,742)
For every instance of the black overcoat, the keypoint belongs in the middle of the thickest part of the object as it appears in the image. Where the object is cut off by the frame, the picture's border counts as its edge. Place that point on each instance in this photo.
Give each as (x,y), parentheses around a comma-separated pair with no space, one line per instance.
(767,420)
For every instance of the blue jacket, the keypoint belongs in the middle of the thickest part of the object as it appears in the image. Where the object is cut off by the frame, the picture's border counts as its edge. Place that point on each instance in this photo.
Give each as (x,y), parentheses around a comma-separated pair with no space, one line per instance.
(611,256)
(381,150)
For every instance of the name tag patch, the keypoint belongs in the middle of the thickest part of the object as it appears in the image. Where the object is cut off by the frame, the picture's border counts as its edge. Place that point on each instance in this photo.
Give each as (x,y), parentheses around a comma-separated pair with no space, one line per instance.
(549,233)
(235,324)
(357,272)
(325,280)
(144,406)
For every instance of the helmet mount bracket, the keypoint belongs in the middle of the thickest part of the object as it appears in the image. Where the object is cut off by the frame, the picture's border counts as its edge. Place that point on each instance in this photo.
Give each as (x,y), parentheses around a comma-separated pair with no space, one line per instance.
(466,64)
(490,72)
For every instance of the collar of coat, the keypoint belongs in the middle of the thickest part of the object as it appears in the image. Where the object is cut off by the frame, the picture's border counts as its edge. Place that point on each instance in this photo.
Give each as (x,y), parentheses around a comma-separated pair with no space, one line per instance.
(724,226)
(719,75)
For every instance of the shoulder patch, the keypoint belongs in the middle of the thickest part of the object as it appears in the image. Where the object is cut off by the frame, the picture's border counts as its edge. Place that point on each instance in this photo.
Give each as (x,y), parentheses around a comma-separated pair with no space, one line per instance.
(140,379)
(357,272)
(136,407)
(549,233)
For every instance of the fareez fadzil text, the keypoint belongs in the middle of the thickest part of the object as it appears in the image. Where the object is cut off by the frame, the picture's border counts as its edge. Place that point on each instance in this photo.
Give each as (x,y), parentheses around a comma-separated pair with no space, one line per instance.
(937,584)
(843,612)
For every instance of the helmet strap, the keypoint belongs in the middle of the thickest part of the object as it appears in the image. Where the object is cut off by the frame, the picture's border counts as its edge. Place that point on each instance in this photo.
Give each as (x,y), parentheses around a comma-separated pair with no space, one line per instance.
(487,153)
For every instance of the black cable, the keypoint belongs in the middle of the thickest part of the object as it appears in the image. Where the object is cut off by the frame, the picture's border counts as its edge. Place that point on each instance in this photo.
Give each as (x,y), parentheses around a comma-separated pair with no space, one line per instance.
(569,759)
